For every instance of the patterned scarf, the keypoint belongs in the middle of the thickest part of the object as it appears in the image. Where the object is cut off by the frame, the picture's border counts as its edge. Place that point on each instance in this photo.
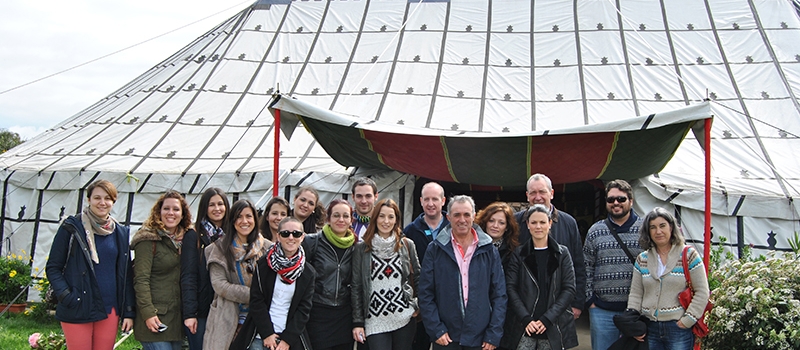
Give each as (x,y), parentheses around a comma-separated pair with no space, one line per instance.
(246,259)
(214,233)
(288,268)
(340,242)
(384,247)
(176,240)
(95,225)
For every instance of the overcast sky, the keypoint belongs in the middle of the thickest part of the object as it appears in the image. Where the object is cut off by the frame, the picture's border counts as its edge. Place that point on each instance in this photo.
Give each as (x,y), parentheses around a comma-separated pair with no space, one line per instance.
(40,38)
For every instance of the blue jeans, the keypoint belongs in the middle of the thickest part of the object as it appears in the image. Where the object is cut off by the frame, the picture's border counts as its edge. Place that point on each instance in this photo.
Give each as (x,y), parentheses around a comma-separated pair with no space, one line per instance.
(161,345)
(196,340)
(667,335)
(604,332)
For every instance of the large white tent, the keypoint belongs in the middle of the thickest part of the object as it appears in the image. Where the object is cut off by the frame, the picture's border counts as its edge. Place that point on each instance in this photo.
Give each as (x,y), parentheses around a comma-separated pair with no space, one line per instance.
(202,117)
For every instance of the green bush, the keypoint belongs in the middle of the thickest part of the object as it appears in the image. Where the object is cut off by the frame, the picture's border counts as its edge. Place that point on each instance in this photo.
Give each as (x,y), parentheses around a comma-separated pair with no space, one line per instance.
(757,304)
(15,276)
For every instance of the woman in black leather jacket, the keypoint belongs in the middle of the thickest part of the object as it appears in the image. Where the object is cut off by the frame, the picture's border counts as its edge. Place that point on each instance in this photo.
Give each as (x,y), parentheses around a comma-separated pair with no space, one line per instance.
(330,252)
(540,283)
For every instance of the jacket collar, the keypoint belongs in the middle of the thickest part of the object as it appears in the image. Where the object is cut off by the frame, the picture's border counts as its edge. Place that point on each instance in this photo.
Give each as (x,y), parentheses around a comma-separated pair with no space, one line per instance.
(446,233)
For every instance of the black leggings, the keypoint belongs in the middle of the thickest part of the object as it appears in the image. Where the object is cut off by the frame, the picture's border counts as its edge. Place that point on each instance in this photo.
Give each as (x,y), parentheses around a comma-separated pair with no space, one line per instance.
(397,340)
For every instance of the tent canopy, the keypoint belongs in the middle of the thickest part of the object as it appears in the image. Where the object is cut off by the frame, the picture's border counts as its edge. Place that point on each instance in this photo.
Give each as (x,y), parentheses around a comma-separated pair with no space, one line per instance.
(626,148)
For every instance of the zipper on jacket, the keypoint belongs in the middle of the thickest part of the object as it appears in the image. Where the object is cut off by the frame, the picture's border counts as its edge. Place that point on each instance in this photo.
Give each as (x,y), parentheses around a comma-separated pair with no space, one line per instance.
(338,268)
(536,302)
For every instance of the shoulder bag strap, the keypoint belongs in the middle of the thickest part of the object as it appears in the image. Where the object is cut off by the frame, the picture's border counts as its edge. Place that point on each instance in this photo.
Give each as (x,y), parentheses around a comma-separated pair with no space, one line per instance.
(613,230)
(686,268)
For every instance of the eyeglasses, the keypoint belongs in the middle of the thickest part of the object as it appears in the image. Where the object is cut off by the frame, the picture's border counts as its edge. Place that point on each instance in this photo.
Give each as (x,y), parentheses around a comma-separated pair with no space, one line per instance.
(621,199)
(286,234)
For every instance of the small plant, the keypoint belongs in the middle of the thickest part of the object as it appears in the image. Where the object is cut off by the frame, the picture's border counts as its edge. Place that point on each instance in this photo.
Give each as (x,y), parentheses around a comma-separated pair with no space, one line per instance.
(52,341)
(15,276)
(794,243)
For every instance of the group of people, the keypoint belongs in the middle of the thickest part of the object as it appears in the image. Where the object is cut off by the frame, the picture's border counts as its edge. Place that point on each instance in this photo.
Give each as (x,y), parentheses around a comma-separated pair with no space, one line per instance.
(311,278)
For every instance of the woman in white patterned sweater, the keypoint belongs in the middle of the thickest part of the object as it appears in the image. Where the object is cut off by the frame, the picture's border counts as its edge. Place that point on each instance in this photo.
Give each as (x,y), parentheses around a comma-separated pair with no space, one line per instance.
(658,278)
(385,272)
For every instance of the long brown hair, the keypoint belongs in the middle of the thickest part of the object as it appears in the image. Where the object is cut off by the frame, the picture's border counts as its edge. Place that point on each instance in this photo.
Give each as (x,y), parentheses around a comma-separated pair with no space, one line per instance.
(511,236)
(230,230)
(372,229)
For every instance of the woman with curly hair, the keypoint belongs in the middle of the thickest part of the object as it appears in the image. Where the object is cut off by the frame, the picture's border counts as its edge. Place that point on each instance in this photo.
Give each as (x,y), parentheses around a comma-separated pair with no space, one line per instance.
(231,263)
(157,273)
(497,220)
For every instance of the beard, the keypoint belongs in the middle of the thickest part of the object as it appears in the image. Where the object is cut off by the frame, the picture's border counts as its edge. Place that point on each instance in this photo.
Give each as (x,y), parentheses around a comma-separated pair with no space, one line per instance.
(621,215)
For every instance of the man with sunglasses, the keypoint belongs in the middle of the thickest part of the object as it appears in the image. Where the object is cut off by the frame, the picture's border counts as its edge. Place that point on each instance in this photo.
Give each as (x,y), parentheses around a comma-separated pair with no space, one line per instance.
(564,230)
(610,247)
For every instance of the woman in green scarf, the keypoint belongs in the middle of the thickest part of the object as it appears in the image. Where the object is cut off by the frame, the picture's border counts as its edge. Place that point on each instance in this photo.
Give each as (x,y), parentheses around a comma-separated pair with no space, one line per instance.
(330,252)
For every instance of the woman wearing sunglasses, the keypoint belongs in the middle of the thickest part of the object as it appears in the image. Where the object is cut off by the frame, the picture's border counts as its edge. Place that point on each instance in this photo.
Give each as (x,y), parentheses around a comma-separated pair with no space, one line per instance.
(231,262)
(330,252)
(384,263)
(280,297)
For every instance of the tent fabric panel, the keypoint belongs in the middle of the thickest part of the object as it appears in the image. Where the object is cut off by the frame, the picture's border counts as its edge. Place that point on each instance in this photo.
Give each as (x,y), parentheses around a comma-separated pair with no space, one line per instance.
(640,153)
(479,162)
(581,156)
(343,144)
(408,158)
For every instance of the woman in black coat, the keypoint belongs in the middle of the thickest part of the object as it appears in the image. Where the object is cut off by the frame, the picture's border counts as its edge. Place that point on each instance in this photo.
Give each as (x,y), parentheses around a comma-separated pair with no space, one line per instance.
(196,291)
(540,284)
(280,295)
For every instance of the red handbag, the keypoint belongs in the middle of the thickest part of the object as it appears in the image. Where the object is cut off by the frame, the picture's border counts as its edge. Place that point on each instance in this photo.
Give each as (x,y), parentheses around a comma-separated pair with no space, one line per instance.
(700,329)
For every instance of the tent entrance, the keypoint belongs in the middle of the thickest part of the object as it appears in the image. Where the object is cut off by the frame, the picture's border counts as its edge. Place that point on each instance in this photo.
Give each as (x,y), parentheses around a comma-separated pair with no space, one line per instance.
(583,200)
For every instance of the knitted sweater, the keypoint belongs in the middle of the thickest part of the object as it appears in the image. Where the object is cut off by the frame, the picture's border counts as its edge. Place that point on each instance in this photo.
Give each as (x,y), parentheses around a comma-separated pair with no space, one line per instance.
(608,269)
(657,296)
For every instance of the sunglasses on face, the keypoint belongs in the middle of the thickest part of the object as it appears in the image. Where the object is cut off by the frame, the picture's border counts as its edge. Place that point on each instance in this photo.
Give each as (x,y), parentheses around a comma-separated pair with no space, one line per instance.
(286,234)
(621,199)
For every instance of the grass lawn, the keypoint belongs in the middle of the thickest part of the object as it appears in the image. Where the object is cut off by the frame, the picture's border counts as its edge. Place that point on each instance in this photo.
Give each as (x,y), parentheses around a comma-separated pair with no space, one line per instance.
(15,330)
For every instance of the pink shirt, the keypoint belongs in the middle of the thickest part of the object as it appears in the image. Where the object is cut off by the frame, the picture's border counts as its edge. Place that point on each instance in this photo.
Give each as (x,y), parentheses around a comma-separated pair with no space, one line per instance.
(463,259)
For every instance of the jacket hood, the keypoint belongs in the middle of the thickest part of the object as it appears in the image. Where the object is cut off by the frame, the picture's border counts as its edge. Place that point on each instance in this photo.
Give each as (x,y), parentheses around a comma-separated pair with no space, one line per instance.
(145,234)
(444,237)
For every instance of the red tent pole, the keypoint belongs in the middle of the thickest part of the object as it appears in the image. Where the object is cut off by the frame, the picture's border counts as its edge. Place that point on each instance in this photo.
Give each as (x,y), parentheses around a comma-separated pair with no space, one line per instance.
(707,228)
(276,157)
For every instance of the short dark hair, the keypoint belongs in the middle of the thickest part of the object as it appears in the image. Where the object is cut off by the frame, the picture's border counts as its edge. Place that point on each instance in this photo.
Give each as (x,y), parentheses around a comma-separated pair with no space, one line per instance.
(364,181)
(621,185)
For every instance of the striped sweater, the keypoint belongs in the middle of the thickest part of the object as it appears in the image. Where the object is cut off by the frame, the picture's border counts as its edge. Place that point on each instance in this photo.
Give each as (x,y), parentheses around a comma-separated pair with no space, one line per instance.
(657,296)
(608,269)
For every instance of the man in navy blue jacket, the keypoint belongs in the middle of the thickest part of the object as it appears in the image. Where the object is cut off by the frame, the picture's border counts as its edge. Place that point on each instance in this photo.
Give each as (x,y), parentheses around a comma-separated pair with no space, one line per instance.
(462,288)
(422,231)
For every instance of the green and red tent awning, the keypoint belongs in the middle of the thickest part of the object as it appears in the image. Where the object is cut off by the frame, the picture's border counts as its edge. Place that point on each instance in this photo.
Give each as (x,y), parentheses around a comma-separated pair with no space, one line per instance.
(627,149)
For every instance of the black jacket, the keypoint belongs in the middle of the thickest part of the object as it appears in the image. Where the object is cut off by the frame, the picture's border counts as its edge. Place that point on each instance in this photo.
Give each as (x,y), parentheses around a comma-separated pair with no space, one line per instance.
(196,290)
(565,232)
(631,324)
(70,270)
(523,295)
(332,286)
(259,320)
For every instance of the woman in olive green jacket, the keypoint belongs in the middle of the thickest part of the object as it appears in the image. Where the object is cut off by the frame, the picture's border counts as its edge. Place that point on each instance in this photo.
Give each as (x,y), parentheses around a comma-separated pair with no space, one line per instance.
(157,248)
